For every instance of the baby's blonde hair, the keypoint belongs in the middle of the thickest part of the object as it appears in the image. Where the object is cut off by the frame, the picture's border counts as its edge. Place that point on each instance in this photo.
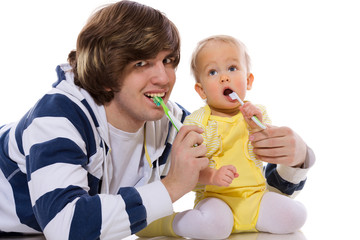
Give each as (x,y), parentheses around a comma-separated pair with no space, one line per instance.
(224,38)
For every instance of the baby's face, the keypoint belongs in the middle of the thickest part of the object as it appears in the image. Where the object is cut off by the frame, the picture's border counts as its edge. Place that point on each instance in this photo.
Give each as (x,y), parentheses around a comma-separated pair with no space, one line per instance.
(222,70)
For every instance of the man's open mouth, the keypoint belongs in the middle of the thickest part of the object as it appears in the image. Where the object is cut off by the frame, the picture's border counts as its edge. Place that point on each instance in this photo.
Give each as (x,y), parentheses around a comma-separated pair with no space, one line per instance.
(151,95)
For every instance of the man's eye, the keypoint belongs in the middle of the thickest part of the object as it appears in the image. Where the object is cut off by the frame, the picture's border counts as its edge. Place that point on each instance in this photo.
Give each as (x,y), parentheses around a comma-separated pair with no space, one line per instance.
(168,60)
(232,68)
(140,64)
(212,72)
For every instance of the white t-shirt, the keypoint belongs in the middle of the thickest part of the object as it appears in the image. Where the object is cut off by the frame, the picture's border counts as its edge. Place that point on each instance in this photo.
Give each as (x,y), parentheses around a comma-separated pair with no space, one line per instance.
(127,159)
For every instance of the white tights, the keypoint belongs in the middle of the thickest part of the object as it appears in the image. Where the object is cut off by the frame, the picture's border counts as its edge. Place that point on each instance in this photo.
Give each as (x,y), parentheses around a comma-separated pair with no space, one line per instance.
(213,219)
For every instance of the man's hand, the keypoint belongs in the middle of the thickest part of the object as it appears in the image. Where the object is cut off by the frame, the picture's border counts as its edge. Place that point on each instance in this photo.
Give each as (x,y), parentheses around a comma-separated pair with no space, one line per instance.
(279,145)
(186,162)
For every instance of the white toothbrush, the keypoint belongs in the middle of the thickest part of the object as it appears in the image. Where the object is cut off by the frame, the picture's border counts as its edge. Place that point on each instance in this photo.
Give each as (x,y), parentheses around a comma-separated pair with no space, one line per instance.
(234,96)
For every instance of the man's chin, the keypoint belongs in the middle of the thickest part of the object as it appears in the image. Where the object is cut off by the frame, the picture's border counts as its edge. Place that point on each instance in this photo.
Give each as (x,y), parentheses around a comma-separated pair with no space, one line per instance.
(157,116)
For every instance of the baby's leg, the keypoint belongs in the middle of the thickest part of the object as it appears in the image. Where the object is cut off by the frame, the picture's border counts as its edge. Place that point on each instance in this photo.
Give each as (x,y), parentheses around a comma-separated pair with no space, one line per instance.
(280,214)
(211,219)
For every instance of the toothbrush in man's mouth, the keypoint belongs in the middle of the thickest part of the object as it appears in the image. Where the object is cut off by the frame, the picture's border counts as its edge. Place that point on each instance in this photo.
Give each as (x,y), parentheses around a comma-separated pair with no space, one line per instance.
(175,122)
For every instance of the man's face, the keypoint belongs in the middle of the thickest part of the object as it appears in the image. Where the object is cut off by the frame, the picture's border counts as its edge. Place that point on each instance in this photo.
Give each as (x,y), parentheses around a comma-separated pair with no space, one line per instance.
(142,79)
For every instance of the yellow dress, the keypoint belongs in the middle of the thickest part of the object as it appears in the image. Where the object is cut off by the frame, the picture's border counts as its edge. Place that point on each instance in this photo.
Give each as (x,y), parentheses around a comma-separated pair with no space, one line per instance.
(227,140)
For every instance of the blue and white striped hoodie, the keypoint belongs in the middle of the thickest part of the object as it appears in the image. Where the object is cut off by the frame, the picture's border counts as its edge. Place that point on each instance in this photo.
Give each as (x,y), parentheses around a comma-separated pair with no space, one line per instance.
(54,166)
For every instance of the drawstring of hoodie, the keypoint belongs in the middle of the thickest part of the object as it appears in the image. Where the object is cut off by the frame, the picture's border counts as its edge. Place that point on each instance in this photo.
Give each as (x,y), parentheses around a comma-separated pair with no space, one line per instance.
(105,186)
(157,170)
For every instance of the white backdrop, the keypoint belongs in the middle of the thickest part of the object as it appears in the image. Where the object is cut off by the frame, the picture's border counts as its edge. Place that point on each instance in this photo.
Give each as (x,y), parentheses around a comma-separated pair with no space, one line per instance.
(305,57)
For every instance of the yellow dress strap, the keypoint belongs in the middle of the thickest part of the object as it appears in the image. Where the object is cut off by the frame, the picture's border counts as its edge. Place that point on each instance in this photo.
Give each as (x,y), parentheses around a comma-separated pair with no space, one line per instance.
(146,151)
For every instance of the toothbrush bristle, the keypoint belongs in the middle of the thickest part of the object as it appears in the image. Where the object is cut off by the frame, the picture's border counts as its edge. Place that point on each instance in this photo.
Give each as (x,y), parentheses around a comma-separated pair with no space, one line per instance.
(156,101)
(232,95)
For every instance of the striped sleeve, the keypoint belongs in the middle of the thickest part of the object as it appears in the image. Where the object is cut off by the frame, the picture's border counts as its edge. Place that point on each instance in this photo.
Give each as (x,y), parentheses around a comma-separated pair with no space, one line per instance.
(288,180)
(58,141)
(15,209)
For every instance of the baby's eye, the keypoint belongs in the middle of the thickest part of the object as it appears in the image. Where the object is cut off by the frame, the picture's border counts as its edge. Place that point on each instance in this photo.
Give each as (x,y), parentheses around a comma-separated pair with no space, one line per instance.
(212,72)
(140,64)
(232,68)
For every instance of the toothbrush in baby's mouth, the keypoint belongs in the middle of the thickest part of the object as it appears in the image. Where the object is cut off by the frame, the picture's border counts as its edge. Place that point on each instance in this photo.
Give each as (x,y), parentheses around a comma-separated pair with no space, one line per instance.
(234,96)
(175,122)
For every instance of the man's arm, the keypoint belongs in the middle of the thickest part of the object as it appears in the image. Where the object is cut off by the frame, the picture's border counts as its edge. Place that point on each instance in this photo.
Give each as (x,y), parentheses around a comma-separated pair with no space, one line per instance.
(288,157)
(186,162)
(288,180)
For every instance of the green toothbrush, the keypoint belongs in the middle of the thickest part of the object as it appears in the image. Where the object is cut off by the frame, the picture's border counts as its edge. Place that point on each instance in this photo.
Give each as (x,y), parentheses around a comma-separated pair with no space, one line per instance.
(175,122)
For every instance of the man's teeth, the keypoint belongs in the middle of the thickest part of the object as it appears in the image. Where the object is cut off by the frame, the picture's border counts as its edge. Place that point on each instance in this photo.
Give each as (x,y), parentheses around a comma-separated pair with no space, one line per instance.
(155,95)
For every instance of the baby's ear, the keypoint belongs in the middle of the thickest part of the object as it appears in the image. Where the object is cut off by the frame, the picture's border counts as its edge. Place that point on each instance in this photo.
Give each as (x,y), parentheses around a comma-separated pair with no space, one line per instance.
(199,89)
(250,80)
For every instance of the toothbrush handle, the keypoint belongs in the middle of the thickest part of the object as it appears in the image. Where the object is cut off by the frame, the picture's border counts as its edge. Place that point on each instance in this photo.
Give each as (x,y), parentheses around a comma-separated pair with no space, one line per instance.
(254,118)
(177,124)
(257,121)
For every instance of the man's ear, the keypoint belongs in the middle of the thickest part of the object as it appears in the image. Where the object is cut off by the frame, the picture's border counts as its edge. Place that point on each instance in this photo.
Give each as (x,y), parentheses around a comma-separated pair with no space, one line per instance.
(200,90)
(250,80)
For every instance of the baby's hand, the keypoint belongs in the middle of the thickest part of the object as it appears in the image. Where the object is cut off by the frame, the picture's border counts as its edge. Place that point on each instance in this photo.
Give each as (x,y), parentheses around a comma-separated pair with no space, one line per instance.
(224,176)
(248,110)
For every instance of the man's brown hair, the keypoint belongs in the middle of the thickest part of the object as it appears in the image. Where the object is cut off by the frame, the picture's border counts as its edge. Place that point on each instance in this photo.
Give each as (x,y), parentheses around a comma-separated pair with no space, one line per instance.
(114,36)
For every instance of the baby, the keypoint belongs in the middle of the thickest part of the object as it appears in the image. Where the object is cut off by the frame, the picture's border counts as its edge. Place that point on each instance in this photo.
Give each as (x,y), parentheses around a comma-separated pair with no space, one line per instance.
(232,194)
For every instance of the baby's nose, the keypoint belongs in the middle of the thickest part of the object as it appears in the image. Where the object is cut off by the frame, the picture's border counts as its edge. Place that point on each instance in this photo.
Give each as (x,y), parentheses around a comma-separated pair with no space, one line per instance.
(224,78)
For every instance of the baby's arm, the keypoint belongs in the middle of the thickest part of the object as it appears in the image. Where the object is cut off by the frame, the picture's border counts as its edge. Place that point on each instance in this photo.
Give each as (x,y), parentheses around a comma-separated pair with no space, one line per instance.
(248,110)
(222,177)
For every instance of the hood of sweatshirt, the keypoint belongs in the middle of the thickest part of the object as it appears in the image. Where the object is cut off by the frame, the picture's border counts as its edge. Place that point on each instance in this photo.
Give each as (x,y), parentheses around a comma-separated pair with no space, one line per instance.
(66,83)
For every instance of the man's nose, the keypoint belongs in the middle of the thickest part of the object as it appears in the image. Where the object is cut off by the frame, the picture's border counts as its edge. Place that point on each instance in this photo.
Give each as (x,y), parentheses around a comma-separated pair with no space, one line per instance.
(159,74)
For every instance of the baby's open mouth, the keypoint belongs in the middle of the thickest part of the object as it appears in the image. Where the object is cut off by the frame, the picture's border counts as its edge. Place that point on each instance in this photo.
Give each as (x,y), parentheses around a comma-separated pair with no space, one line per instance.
(227,91)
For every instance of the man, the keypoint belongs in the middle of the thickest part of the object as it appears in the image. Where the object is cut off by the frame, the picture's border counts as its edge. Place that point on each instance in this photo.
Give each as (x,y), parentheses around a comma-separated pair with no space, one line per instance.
(92,158)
